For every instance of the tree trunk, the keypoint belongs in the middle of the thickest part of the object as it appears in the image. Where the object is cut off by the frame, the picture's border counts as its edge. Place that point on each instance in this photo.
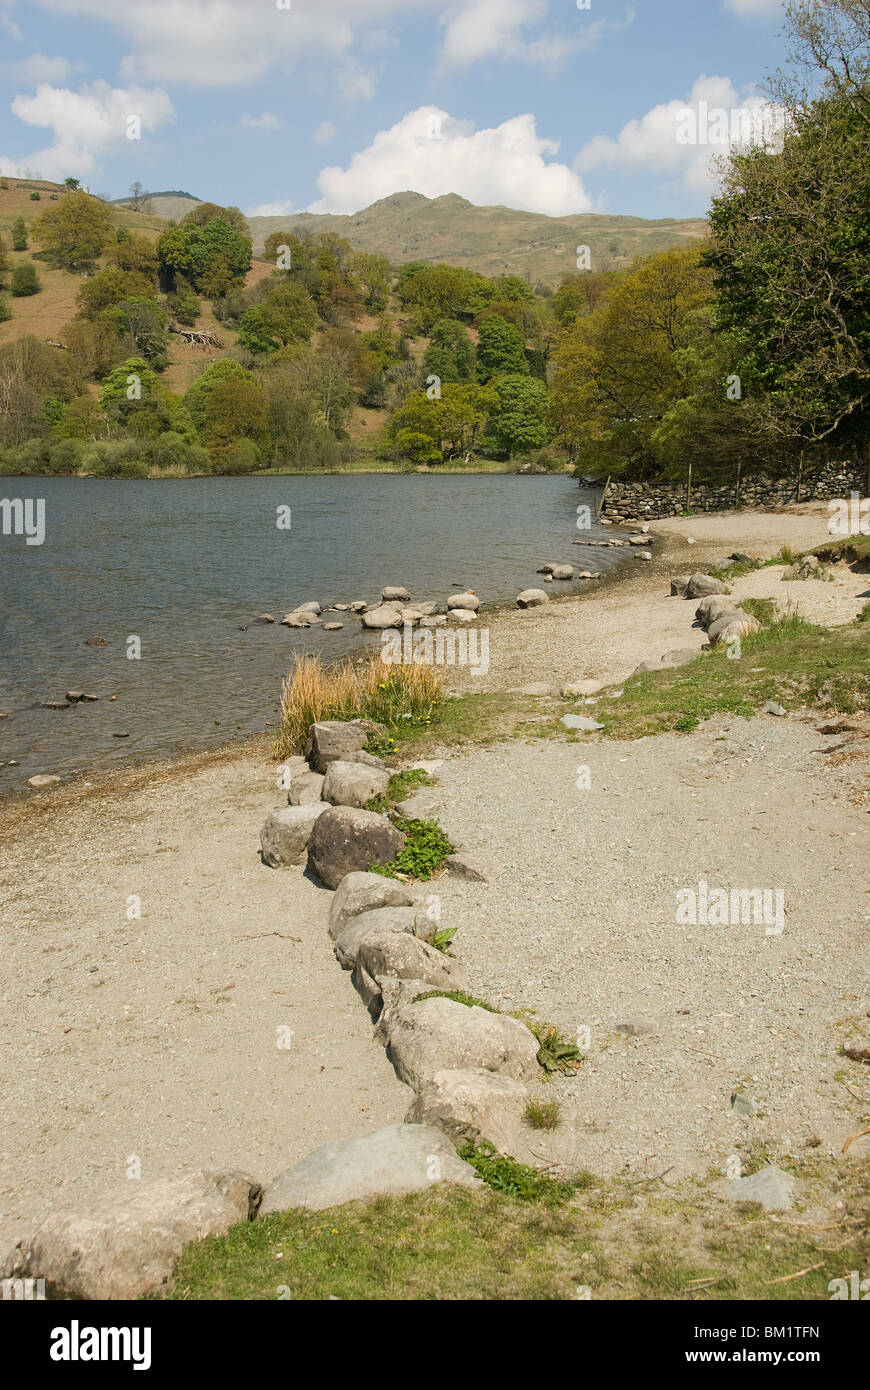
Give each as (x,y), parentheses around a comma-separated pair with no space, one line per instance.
(603,497)
(689,487)
(737,484)
(797,496)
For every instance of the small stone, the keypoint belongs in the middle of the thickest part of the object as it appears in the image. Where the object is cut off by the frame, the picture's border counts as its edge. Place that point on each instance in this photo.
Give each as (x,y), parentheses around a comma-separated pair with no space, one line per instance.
(463,615)
(743,1105)
(42,779)
(332,627)
(679,585)
(770,1187)
(585,687)
(74,696)
(637,1027)
(643,555)
(778,711)
(264,618)
(395,592)
(469,869)
(531,598)
(89,699)
(581,722)
(96,642)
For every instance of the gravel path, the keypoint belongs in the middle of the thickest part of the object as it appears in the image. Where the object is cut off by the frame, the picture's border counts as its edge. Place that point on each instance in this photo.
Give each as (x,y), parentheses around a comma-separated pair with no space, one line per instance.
(579,924)
(157,1037)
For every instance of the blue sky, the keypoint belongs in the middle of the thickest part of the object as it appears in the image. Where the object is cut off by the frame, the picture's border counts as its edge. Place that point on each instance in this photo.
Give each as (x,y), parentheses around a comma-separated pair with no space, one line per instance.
(283,105)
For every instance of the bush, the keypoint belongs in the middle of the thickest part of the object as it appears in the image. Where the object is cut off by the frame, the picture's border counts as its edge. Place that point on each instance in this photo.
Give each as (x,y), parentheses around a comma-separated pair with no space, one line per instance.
(425,850)
(242,456)
(65,456)
(5,311)
(25,281)
(19,235)
(34,197)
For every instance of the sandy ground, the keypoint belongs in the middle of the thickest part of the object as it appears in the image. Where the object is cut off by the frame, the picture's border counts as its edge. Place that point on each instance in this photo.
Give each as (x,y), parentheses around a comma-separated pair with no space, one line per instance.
(157,1037)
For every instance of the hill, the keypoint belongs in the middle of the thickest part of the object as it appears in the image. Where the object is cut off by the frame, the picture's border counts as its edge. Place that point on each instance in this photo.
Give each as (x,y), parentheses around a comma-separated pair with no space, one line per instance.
(491,240)
(172,203)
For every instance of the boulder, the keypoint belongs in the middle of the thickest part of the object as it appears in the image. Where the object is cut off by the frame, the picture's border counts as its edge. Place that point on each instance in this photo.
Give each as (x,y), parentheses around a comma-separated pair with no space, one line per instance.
(700,585)
(563,572)
(353,784)
(360,892)
(423,805)
(772,1188)
(582,723)
(641,539)
(548,569)
(393,1161)
(285,836)
(395,592)
(345,839)
(358,606)
(411,920)
(681,656)
(441,1034)
(643,554)
(679,585)
(306,789)
(741,557)
(264,618)
(43,779)
(531,598)
(468,868)
(382,617)
(330,741)
(587,687)
(125,1242)
(385,954)
(366,759)
(467,600)
(473,1104)
(300,617)
(775,708)
(462,615)
(436,620)
(311,607)
(732,625)
(709,609)
(333,627)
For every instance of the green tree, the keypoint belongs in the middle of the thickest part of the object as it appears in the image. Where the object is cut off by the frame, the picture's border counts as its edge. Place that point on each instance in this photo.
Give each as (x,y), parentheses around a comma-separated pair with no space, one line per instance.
(25,280)
(134,252)
(374,275)
(75,232)
(520,423)
(110,287)
(452,421)
(500,349)
(19,235)
(212,258)
(286,315)
(30,371)
(204,213)
(450,354)
(82,418)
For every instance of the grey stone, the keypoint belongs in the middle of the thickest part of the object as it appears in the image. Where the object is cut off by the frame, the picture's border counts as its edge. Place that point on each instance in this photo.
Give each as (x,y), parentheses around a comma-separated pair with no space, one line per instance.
(712,608)
(361,892)
(466,867)
(264,618)
(436,620)
(382,617)
(466,600)
(393,1161)
(285,836)
(778,711)
(581,722)
(125,1242)
(679,585)
(680,657)
(741,557)
(345,839)
(330,741)
(637,1027)
(395,591)
(358,606)
(774,1189)
(700,585)
(353,784)
(441,1034)
(422,805)
(563,572)
(473,1104)
(462,615)
(306,790)
(385,954)
(412,920)
(643,555)
(333,627)
(743,1105)
(531,598)
(43,779)
(732,625)
(586,687)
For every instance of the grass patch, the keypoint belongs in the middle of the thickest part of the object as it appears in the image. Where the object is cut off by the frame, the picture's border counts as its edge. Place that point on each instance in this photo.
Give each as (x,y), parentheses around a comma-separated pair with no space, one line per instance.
(459,997)
(425,850)
(543,1114)
(401,783)
(404,694)
(864,615)
(789,660)
(442,939)
(763,609)
(504,1174)
(851,550)
(555,1053)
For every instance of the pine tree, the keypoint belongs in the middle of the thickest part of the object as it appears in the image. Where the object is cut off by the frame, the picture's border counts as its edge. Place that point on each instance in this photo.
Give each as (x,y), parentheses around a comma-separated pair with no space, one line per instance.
(19,235)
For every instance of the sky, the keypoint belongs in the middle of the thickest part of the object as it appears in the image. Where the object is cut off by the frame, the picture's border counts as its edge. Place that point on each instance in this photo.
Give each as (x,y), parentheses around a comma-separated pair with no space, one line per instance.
(275,106)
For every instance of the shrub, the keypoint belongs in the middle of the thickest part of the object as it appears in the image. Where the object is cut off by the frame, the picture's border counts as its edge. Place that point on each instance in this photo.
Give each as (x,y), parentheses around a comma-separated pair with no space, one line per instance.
(25,281)
(34,197)
(19,235)
(426,848)
(514,1179)
(543,1114)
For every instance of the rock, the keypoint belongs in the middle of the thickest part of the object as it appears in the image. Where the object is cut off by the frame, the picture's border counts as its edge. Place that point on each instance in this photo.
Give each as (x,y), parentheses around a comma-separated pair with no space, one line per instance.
(96,642)
(353,784)
(411,615)
(539,688)
(563,572)
(264,618)
(467,600)
(366,759)
(295,766)
(589,574)
(411,920)
(394,955)
(709,609)
(462,615)
(548,569)
(473,1104)
(732,625)
(301,617)
(90,699)
(284,838)
(74,696)
(382,617)
(440,1034)
(642,539)
(646,666)
(393,1161)
(53,704)
(427,609)
(770,1187)
(436,620)
(42,779)
(690,540)
(339,608)
(346,839)
(423,805)
(470,870)
(700,585)
(333,627)
(741,557)
(395,592)
(531,598)
(637,1027)
(679,585)
(581,722)
(743,1105)
(586,687)
(330,741)
(778,711)
(358,606)
(643,555)
(311,607)
(681,656)
(548,579)
(360,892)
(307,789)
(125,1242)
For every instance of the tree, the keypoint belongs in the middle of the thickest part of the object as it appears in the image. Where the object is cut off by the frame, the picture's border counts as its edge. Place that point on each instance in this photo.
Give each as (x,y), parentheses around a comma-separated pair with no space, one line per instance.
(579,295)
(286,315)
(450,354)
(196,397)
(235,409)
(452,422)
(134,252)
(500,348)
(19,235)
(4,263)
(133,388)
(25,280)
(204,213)
(138,195)
(141,326)
(82,419)
(212,258)
(30,371)
(75,232)
(110,287)
(375,275)
(520,423)
(514,288)
(71,183)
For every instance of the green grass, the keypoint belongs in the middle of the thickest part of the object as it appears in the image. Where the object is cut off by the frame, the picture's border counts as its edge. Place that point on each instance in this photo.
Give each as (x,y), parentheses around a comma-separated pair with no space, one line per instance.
(505,1175)
(458,996)
(426,848)
(401,785)
(543,1114)
(851,550)
(450,1243)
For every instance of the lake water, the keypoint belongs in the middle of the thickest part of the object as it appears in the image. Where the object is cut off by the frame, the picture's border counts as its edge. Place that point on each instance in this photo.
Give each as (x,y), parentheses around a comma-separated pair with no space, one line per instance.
(185,564)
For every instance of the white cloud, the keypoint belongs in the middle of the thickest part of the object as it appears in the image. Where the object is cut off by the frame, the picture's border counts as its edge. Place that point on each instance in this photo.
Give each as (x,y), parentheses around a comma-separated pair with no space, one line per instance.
(325,132)
(429,152)
(267,121)
(85,124)
(653,142)
(38,68)
(750,9)
(279,209)
(235,42)
(10,27)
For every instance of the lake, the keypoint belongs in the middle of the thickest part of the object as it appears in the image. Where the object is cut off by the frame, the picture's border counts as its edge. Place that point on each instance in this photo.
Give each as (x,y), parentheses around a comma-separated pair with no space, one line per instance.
(186,564)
